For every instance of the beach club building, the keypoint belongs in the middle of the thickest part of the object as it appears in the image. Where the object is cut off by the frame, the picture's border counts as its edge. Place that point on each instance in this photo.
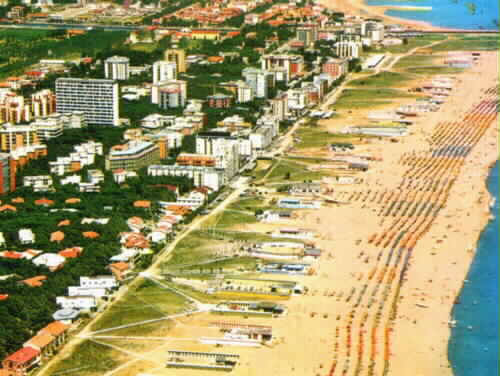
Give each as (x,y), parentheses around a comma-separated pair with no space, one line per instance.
(295,203)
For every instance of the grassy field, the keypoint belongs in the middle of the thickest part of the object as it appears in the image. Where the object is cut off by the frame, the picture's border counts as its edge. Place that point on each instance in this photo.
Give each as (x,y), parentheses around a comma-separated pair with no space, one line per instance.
(366,98)
(230,218)
(315,137)
(469,43)
(382,80)
(414,42)
(145,302)
(21,48)
(196,247)
(415,61)
(440,69)
(292,171)
(89,359)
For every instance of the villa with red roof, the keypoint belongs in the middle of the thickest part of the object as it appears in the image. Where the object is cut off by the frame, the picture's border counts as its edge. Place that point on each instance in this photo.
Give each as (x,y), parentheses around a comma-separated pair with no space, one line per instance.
(22,361)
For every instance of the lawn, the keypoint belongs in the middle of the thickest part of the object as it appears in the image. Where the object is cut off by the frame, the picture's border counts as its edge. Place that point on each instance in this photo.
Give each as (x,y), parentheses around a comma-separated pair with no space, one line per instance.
(469,43)
(315,137)
(382,80)
(196,247)
(27,47)
(229,218)
(146,301)
(414,42)
(439,69)
(292,171)
(366,98)
(415,61)
(89,359)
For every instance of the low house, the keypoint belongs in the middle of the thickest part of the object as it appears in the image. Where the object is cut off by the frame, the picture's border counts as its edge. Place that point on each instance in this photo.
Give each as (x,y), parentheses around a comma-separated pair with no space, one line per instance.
(305,188)
(64,222)
(35,281)
(56,329)
(73,252)
(97,293)
(50,260)
(66,315)
(90,234)
(312,253)
(275,216)
(77,302)
(100,281)
(2,239)
(26,236)
(120,270)
(293,233)
(22,361)
(135,223)
(57,236)
(44,343)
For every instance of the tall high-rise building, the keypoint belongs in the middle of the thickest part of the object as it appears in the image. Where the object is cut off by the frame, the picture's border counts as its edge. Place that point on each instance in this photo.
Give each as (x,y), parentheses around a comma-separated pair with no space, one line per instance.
(13,137)
(117,68)
(7,174)
(294,64)
(43,103)
(279,106)
(177,56)
(98,99)
(349,49)
(307,34)
(169,94)
(164,70)
(260,81)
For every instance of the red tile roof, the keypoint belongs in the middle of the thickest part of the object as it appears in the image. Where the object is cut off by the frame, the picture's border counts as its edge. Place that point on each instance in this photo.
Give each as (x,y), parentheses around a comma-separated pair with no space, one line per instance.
(142,204)
(71,252)
(17,200)
(35,281)
(65,222)
(12,255)
(57,236)
(121,266)
(55,328)
(7,207)
(4,297)
(72,201)
(90,234)
(44,201)
(23,355)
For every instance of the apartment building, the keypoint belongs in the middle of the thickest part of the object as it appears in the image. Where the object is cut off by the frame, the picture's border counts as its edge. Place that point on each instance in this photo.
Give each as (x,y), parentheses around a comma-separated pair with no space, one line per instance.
(245,93)
(279,106)
(164,71)
(39,183)
(178,56)
(98,99)
(169,94)
(348,49)
(220,101)
(133,155)
(117,68)
(223,147)
(83,155)
(13,137)
(259,80)
(189,159)
(202,176)
(294,64)
(335,67)
(43,103)
(7,174)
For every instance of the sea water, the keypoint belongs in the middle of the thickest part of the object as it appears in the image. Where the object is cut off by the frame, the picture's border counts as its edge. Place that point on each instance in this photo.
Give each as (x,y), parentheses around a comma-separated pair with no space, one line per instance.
(473,346)
(457,14)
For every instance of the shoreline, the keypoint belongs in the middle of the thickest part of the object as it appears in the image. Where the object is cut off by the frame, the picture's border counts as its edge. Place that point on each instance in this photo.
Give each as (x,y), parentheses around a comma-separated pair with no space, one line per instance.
(361,8)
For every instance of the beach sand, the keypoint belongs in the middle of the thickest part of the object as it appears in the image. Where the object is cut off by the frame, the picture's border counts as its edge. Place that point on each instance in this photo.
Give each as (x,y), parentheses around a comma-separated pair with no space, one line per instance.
(358,317)
(360,8)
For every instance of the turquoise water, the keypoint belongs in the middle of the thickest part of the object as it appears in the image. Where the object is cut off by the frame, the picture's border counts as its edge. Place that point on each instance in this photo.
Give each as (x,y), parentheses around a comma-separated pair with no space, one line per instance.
(449,13)
(474,352)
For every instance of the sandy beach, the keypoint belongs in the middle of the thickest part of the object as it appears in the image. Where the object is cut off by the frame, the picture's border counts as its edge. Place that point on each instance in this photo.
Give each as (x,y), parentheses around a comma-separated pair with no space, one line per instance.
(360,8)
(394,258)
